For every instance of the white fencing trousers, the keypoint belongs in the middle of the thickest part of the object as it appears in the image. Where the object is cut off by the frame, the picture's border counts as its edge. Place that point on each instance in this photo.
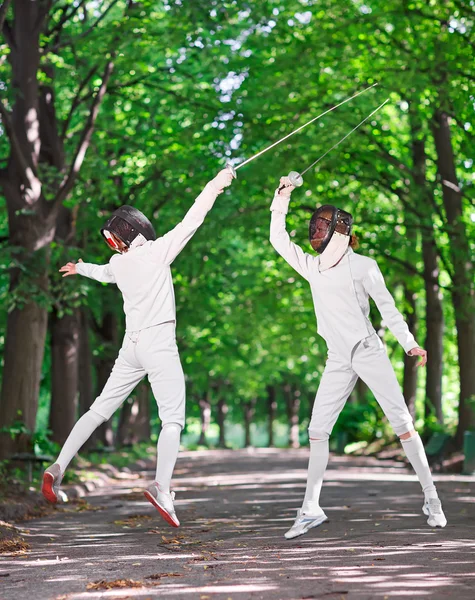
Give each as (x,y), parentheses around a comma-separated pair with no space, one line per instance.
(153,352)
(370,362)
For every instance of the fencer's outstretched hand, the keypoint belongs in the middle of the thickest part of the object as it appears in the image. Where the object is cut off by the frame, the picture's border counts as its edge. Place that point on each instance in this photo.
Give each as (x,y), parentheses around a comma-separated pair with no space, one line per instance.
(419,352)
(285,187)
(69,268)
(222,180)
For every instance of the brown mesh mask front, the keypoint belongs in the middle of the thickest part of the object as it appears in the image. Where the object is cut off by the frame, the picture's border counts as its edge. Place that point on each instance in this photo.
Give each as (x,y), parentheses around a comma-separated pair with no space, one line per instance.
(319,227)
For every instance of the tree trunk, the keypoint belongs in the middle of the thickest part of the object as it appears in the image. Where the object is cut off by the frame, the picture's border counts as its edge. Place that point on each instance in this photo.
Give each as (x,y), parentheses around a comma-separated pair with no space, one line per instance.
(31,229)
(249,410)
(409,388)
(463,287)
(272,409)
(142,420)
(65,344)
(31,128)
(205,419)
(361,389)
(134,420)
(434,318)
(222,409)
(293,406)
(434,342)
(64,374)
(85,384)
(125,428)
(109,330)
(24,350)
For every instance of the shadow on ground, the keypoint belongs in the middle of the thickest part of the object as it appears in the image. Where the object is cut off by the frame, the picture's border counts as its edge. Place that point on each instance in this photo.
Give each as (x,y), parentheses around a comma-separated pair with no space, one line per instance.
(235,507)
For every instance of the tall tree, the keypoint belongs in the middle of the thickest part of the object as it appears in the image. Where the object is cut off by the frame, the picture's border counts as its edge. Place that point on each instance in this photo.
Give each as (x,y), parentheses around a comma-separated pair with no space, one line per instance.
(35,182)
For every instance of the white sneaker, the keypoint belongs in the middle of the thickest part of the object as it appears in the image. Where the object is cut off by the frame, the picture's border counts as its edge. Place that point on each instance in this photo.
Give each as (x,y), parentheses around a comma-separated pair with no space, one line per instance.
(163,503)
(433,509)
(304,522)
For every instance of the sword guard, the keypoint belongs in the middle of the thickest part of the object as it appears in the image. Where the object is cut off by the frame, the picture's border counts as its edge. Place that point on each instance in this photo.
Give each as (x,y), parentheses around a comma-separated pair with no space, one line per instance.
(295,179)
(232,169)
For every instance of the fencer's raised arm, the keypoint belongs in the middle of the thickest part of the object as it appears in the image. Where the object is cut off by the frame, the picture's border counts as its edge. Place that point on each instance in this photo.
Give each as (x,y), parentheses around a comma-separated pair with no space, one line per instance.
(101,273)
(376,287)
(167,247)
(279,237)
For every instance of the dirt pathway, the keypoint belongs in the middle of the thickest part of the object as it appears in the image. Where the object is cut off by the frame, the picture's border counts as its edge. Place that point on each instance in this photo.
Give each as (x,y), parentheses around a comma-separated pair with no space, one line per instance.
(235,507)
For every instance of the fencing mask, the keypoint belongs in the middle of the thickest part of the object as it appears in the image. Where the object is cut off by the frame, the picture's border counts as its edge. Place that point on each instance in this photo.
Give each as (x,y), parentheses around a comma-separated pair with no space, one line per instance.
(130,226)
(326,221)
(330,234)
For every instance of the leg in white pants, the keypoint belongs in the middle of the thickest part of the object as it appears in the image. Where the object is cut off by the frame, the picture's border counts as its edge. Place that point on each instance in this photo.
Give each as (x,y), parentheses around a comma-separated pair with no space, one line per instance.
(122,380)
(80,433)
(374,367)
(154,352)
(159,355)
(337,383)
(371,363)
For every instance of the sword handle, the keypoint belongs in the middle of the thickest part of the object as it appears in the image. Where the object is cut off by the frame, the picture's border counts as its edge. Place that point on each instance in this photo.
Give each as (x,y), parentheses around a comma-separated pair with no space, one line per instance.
(295,179)
(232,169)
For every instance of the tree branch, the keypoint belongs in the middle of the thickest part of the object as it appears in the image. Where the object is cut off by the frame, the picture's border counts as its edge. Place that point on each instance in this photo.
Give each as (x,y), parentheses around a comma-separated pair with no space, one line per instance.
(77,101)
(66,17)
(57,46)
(3,12)
(15,143)
(156,174)
(68,181)
(42,14)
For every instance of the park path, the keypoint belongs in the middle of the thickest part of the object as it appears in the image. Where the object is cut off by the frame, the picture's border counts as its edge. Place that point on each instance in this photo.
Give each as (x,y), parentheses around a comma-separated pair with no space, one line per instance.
(234,507)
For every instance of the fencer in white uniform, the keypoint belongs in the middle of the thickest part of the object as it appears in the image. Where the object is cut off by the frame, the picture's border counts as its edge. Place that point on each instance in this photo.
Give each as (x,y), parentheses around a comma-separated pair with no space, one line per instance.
(341,282)
(141,271)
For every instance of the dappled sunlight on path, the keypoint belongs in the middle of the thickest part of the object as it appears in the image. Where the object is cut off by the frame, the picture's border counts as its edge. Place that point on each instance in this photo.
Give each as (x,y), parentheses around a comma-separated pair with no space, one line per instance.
(234,508)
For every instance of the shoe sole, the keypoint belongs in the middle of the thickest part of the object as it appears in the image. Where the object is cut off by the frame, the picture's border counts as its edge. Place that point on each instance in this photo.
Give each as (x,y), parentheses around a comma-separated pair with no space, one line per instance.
(163,513)
(47,488)
(311,526)
(426,512)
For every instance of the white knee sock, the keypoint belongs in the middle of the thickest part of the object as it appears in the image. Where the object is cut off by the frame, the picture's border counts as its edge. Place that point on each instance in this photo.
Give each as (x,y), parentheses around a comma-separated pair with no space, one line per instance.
(316,469)
(167,452)
(416,454)
(80,433)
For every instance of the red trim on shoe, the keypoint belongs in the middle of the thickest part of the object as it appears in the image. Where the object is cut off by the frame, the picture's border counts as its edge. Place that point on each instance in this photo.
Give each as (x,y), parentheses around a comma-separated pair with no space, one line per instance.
(47,488)
(163,513)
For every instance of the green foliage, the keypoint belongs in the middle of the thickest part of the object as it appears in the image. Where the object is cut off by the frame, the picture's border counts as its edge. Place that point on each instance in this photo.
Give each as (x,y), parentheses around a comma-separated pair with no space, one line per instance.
(198,83)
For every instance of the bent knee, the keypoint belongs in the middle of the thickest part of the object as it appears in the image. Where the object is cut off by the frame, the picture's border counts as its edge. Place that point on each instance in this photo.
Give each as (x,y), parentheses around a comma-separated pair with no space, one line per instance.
(317,435)
(409,434)
(98,418)
(172,425)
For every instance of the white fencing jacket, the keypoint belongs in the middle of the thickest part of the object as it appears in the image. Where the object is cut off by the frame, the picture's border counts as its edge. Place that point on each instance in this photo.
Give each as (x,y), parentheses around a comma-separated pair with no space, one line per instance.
(341,293)
(143,274)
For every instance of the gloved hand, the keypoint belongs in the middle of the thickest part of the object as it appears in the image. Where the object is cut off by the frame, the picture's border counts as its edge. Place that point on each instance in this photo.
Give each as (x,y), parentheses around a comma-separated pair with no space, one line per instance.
(287,187)
(222,180)
(282,196)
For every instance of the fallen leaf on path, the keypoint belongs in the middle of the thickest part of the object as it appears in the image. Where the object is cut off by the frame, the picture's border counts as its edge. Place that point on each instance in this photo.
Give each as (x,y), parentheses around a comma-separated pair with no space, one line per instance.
(132,521)
(160,575)
(81,505)
(173,540)
(133,496)
(14,546)
(117,583)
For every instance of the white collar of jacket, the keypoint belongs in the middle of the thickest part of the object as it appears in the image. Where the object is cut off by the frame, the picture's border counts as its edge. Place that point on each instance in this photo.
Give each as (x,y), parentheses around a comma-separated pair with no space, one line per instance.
(138,241)
(336,249)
